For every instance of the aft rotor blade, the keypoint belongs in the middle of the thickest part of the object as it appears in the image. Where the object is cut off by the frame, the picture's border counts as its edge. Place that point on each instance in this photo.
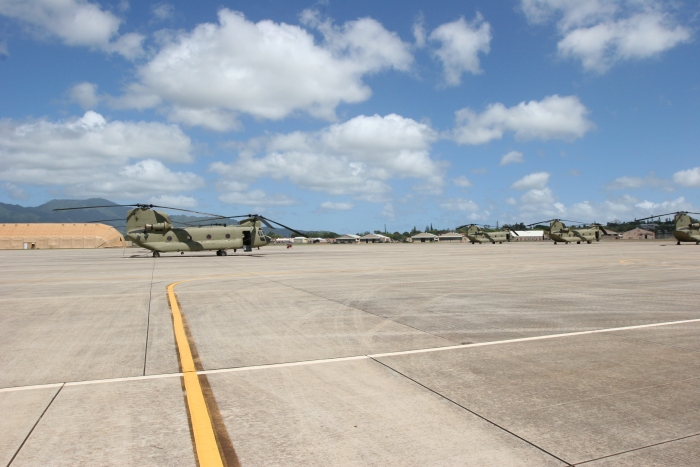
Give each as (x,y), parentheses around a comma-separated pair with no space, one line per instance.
(282,225)
(569,220)
(514,232)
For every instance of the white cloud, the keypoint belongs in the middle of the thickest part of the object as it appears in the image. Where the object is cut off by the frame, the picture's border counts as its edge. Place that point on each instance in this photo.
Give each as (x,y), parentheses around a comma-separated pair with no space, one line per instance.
(511,158)
(553,117)
(76,23)
(537,180)
(85,95)
(145,178)
(266,69)
(176,201)
(461,43)
(511,201)
(688,178)
(419,32)
(650,181)
(462,182)
(14,191)
(90,155)
(602,33)
(331,206)
(256,198)
(356,157)
(211,118)
(388,212)
(162,11)
(459,204)
(3,51)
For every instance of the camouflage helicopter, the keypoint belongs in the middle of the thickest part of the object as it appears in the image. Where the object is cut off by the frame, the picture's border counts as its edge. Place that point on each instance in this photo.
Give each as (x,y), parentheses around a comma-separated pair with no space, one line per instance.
(685,228)
(154,231)
(561,233)
(477,235)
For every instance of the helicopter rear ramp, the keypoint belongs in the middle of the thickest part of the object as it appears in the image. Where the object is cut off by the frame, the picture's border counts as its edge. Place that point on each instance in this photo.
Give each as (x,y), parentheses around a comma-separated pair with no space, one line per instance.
(387,354)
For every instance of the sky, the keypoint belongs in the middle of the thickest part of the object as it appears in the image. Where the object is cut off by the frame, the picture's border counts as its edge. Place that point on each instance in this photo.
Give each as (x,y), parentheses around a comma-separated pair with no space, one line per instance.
(355,116)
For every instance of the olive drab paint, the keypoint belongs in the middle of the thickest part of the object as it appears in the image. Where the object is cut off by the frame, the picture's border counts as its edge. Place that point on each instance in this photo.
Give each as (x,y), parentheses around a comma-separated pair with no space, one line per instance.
(154,231)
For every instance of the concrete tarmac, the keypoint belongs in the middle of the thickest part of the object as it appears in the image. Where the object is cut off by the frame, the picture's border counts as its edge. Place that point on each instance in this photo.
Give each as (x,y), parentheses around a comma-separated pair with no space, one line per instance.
(521,354)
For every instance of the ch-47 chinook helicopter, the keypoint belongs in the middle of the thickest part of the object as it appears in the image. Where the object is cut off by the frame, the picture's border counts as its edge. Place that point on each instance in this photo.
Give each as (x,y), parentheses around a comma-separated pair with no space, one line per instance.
(154,231)
(476,235)
(685,228)
(561,233)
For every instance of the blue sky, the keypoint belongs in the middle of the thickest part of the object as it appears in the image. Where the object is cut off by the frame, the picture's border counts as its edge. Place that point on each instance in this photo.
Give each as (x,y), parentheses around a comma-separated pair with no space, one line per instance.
(349,116)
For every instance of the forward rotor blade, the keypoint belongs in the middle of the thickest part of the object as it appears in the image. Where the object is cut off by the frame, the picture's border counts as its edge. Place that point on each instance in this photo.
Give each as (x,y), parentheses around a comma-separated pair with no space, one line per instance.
(179,209)
(541,222)
(105,220)
(660,215)
(573,222)
(514,232)
(95,207)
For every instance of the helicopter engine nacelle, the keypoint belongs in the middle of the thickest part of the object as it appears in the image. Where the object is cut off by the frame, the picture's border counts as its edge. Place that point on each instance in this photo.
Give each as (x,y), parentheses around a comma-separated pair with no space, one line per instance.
(160,227)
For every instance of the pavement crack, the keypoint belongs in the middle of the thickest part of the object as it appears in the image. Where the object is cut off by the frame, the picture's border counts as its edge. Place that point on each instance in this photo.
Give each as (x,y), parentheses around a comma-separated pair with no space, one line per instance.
(472,412)
(35,425)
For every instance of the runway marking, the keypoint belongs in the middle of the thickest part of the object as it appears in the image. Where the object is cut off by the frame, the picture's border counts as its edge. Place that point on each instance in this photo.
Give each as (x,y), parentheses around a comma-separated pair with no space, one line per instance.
(206,449)
(351,358)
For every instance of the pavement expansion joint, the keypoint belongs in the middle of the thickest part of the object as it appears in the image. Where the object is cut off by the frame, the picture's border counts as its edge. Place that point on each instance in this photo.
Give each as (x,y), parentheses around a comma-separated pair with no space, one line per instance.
(35,425)
(472,412)
(681,438)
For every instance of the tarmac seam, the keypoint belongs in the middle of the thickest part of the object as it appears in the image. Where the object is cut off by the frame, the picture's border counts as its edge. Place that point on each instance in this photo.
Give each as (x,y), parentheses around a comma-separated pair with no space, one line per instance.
(355,357)
(474,413)
(35,425)
(148,317)
(638,449)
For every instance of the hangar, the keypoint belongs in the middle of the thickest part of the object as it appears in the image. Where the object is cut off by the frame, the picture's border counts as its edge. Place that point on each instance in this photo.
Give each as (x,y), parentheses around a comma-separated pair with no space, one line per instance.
(51,236)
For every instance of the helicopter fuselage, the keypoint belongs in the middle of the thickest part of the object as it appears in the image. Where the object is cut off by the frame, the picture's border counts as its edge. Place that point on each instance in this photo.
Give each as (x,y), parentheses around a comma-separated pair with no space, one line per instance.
(154,231)
(575,235)
(489,237)
(200,238)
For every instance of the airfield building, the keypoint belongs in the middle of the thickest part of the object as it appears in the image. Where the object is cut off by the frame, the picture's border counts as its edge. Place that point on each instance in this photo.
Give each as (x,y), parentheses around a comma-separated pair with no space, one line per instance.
(424,237)
(348,238)
(639,234)
(375,238)
(451,237)
(52,236)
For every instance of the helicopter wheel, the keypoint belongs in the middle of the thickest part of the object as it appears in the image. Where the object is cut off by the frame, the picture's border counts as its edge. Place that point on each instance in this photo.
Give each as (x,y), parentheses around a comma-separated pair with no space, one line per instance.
(156,254)
(578,243)
(223,253)
(588,242)
(678,242)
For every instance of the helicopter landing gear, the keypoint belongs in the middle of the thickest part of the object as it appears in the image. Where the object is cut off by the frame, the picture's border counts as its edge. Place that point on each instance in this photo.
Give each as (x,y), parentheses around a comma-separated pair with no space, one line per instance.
(578,243)
(555,243)
(182,252)
(221,252)
(678,242)
(589,242)
(234,250)
(156,254)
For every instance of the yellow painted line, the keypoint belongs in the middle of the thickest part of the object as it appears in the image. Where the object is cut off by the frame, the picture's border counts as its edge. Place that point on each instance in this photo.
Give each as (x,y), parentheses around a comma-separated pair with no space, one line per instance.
(202,428)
